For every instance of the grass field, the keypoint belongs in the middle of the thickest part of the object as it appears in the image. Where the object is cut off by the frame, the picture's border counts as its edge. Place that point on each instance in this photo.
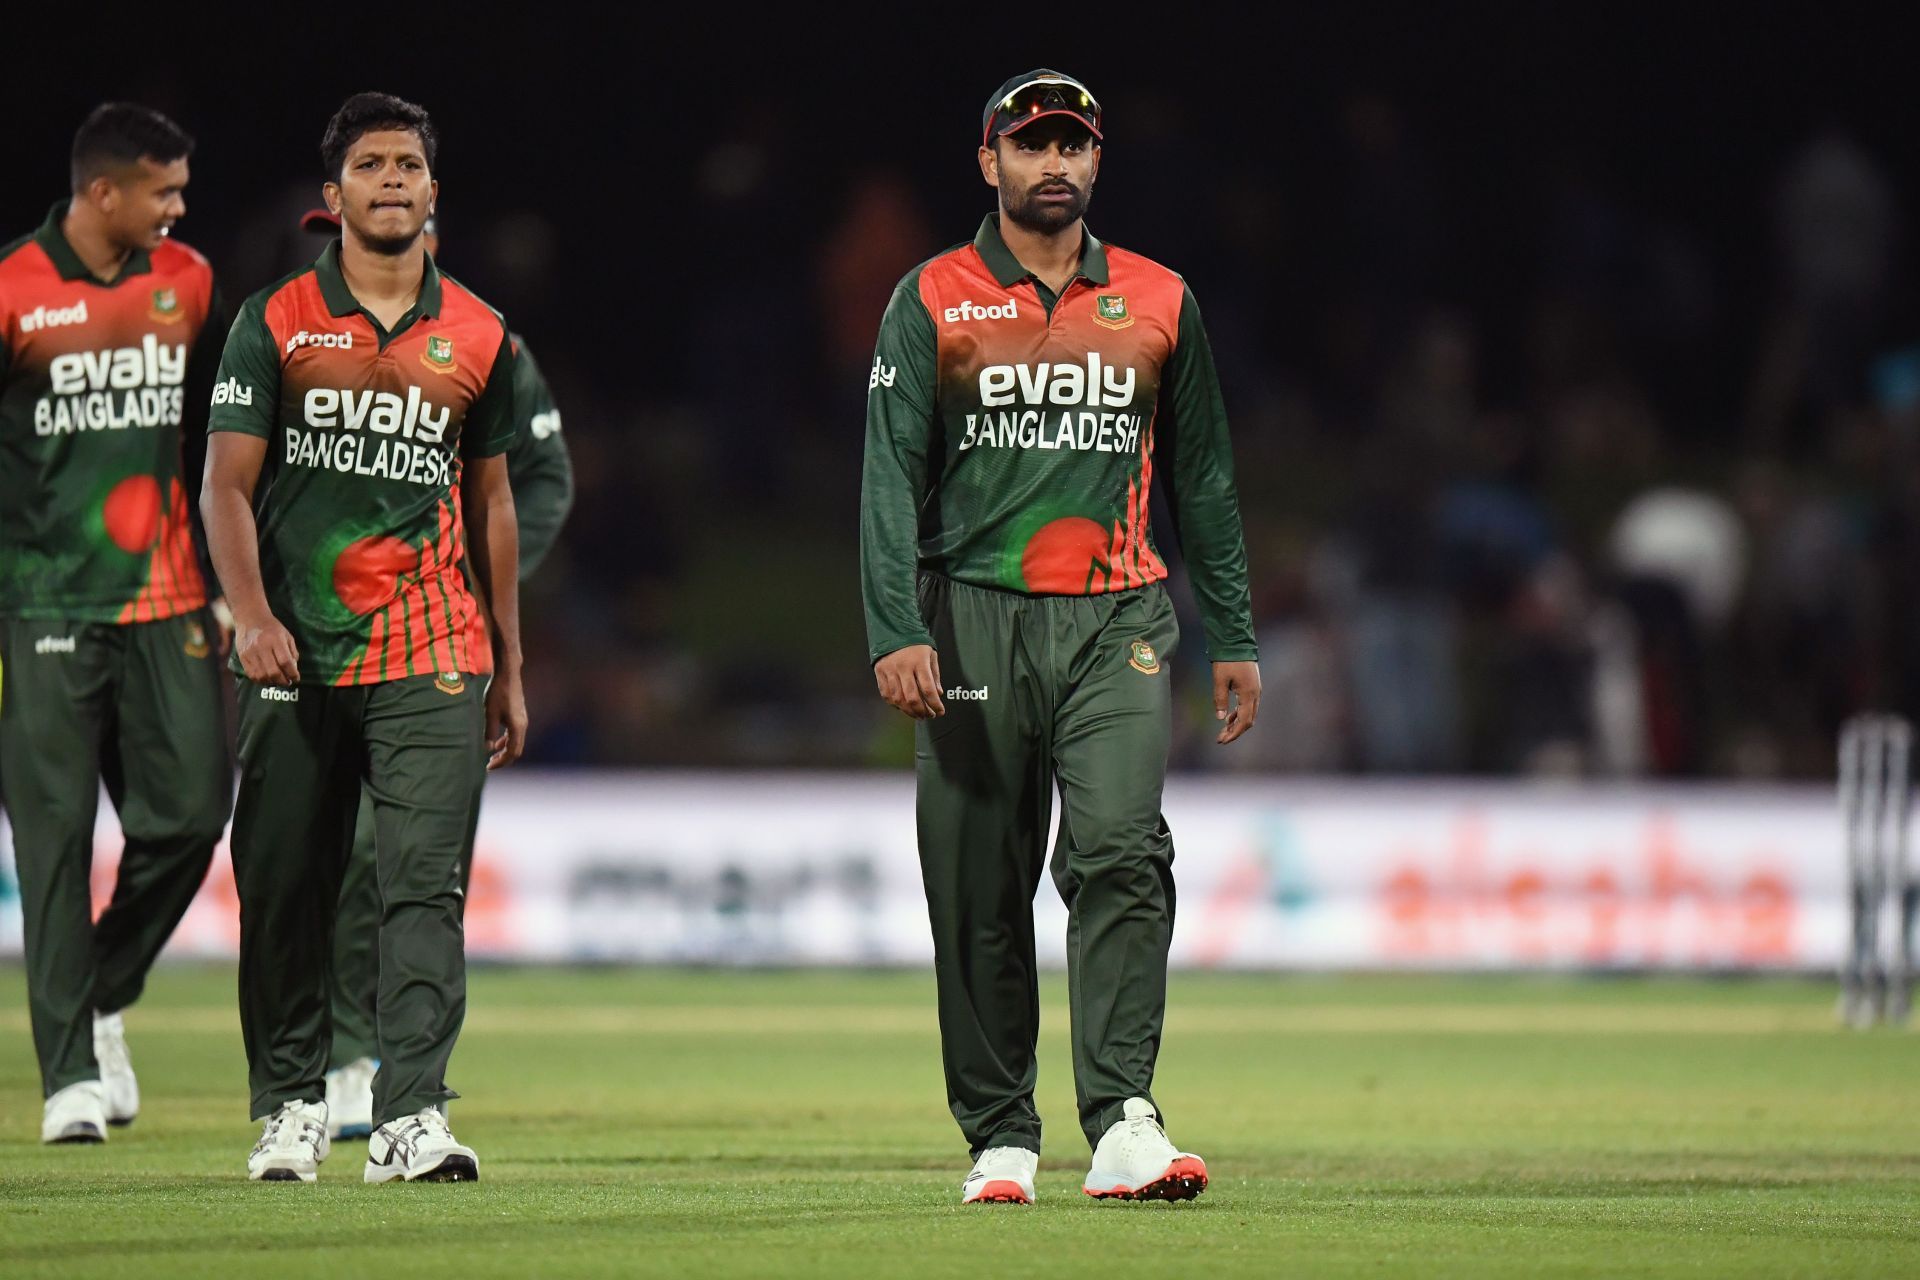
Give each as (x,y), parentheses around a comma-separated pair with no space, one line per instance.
(664,1123)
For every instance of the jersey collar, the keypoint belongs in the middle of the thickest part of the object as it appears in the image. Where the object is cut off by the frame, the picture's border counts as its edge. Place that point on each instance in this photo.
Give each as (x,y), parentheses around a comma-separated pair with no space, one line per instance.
(340,299)
(54,241)
(1007,269)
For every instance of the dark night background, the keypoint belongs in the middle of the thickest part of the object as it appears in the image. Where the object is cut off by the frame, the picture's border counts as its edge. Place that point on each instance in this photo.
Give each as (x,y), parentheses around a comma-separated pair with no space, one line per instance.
(1572,357)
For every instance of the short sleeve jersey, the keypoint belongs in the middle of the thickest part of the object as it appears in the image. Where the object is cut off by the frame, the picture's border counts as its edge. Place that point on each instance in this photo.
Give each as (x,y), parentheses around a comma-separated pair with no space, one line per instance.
(358,502)
(95,521)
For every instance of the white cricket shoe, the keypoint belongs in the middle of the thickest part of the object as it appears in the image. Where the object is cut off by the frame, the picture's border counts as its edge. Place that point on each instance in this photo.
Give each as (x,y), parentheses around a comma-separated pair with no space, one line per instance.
(292,1144)
(78,1113)
(350,1099)
(419,1148)
(1002,1175)
(116,1068)
(1134,1161)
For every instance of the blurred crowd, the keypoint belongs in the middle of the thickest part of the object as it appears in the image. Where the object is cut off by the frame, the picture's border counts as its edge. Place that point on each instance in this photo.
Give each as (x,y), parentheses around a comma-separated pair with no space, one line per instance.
(1541,473)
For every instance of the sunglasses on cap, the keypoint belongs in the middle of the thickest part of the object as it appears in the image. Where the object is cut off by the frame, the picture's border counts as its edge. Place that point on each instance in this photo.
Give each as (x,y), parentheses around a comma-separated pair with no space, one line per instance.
(1040,97)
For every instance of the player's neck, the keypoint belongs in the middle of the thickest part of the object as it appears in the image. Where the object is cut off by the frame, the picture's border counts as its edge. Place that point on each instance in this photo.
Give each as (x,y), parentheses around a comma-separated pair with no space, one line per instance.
(386,284)
(1053,256)
(86,232)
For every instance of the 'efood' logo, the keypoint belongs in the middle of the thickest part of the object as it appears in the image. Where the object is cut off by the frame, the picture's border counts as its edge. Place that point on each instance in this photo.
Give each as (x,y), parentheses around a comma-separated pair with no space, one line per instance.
(53,317)
(967,695)
(969,310)
(269,693)
(304,338)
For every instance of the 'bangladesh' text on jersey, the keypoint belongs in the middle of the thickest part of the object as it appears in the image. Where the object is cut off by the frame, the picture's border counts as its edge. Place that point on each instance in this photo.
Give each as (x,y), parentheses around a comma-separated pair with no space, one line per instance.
(1013,439)
(358,503)
(95,516)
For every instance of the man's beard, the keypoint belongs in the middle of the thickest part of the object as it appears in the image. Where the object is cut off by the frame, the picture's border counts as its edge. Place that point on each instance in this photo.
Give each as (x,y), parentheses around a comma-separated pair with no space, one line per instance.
(1029,212)
(388,246)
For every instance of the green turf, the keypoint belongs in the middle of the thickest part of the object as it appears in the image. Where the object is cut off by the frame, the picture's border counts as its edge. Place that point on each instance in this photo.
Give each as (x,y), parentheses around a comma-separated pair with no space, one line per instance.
(695,1124)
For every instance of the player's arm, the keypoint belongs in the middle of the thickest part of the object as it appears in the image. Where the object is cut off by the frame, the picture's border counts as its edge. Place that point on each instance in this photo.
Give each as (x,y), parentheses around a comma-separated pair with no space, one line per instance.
(1190,429)
(245,398)
(537,465)
(893,484)
(203,363)
(493,547)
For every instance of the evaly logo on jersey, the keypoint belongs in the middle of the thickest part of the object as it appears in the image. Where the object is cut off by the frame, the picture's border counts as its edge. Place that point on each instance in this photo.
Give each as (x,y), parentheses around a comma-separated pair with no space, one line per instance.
(333,436)
(113,389)
(882,375)
(1101,394)
(231,392)
(545,425)
(53,317)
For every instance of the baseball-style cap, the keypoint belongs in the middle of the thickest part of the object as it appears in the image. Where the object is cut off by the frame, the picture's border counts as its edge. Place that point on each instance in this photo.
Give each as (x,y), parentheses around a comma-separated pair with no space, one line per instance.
(1034,94)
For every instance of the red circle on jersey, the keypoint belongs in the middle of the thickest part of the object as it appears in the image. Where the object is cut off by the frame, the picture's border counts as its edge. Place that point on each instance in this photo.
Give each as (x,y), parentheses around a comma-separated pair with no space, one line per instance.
(1061,556)
(367,573)
(132,513)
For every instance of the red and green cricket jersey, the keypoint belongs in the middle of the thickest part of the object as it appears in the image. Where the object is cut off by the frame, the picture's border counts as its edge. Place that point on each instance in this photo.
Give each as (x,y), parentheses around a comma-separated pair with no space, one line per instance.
(358,503)
(95,519)
(1013,438)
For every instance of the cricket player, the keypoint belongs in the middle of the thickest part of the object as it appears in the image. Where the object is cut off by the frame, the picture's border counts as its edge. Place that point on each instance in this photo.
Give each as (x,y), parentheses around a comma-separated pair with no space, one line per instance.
(541,476)
(355,469)
(109,331)
(1028,389)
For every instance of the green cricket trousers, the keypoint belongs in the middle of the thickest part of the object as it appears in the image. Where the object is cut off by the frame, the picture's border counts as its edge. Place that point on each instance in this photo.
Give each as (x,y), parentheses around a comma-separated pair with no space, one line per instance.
(306,753)
(136,706)
(1046,693)
(353,986)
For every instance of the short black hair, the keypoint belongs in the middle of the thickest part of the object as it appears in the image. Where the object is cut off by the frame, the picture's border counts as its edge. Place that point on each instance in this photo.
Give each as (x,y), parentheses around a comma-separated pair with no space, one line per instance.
(365,113)
(117,134)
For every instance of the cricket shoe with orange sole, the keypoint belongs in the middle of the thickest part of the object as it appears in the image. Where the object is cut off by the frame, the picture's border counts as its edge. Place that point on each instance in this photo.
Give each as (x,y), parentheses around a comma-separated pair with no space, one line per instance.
(1002,1175)
(1134,1161)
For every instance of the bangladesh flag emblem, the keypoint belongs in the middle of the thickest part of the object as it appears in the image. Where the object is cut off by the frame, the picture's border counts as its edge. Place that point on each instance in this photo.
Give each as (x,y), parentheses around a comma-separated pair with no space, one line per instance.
(1143,659)
(1110,309)
(166,307)
(450,682)
(439,354)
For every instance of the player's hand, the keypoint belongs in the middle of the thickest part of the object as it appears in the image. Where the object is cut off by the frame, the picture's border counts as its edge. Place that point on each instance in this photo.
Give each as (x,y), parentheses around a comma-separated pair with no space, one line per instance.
(1236,697)
(222,623)
(506,720)
(267,652)
(909,679)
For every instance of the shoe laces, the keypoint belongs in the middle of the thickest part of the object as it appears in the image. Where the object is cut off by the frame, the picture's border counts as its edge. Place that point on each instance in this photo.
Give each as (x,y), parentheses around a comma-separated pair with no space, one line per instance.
(295,1126)
(997,1162)
(434,1123)
(111,1052)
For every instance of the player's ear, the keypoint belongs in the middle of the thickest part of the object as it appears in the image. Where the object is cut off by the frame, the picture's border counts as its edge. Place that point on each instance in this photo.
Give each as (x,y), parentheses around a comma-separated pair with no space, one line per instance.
(103,194)
(330,192)
(990,166)
(433,195)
